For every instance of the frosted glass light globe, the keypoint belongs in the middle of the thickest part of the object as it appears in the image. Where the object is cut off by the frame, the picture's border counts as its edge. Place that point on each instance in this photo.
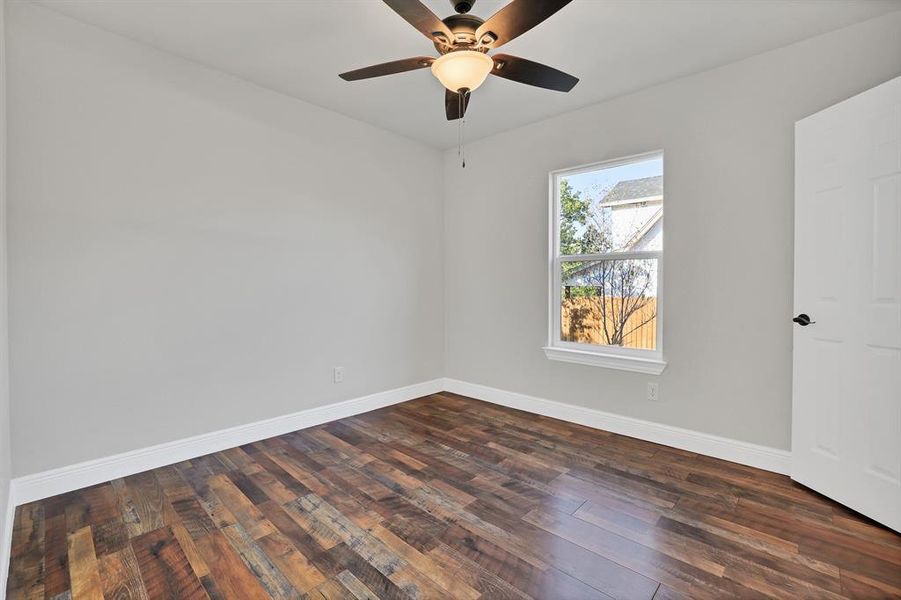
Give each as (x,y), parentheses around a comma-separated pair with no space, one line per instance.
(462,69)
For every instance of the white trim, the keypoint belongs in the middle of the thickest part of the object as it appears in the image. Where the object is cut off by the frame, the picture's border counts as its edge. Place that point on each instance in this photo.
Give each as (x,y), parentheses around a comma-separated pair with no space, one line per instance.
(612,357)
(65,479)
(746,453)
(607,164)
(637,364)
(72,477)
(6,537)
(632,254)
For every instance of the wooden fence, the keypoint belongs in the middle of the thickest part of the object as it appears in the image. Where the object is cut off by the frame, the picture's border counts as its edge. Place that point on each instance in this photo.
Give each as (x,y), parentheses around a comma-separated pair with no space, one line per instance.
(581,322)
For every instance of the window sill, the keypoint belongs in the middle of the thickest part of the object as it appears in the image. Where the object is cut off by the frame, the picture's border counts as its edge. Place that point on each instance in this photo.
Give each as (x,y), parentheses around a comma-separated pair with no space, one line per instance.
(636,364)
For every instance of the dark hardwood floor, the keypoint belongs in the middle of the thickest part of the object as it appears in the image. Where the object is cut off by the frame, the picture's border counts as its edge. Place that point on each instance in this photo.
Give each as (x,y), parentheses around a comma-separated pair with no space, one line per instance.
(448,497)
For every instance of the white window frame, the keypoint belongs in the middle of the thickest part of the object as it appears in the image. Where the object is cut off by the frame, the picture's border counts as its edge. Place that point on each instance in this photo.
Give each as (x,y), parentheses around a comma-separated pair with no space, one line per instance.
(613,357)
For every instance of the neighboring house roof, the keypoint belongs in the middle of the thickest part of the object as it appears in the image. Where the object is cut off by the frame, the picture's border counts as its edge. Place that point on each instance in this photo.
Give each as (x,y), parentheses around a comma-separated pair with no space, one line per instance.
(634,189)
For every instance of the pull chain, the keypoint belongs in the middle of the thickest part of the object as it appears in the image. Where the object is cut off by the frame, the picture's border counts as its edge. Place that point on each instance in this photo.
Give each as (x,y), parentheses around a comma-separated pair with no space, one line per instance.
(461,128)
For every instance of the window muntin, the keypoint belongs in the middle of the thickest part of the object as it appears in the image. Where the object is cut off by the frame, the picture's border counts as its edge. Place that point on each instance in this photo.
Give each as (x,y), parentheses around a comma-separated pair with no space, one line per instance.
(607,242)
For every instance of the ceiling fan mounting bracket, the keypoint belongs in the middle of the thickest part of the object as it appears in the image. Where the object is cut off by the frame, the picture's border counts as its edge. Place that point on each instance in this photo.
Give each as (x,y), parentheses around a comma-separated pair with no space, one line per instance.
(488,38)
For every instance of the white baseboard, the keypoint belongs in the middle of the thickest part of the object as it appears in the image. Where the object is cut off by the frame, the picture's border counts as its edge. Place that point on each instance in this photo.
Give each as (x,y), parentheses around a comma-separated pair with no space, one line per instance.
(6,538)
(72,477)
(746,453)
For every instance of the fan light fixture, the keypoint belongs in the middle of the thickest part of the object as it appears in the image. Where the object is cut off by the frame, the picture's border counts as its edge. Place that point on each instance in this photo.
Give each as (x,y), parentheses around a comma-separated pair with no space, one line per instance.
(463,40)
(462,69)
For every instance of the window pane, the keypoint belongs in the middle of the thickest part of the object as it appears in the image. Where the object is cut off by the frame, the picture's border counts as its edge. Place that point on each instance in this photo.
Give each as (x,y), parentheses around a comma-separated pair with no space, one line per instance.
(610,303)
(613,209)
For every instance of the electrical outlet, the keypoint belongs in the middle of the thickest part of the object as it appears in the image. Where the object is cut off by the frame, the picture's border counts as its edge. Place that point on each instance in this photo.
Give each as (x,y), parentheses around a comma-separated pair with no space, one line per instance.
(339,374)
(653,392)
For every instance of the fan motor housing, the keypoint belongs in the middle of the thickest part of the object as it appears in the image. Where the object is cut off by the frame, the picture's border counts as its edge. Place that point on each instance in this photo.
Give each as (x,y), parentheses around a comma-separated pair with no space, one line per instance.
(463,26)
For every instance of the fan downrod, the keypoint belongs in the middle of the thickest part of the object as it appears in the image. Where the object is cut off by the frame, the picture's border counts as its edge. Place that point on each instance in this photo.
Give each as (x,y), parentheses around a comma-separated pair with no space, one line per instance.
(463,6)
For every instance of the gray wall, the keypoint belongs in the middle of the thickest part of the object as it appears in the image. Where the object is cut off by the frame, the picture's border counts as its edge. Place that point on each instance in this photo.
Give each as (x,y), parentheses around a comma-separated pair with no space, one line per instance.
(190,252)
(5,449)
(728,139)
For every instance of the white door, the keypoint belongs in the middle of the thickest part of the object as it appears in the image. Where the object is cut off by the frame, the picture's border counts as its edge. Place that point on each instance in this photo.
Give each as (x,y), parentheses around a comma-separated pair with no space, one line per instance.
(846,416)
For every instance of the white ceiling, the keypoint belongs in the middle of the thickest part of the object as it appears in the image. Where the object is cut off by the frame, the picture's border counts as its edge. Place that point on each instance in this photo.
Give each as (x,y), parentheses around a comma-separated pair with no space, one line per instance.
(615,46)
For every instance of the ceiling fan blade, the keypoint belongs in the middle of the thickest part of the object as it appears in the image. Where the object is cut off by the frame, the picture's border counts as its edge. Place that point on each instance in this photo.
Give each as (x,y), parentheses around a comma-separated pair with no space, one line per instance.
(515,19)
(532,73)
(419,16)
(452,104)
(388,68)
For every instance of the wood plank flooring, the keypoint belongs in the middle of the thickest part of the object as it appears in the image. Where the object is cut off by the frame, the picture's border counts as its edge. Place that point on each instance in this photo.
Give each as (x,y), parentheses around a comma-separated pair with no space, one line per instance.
(448,497)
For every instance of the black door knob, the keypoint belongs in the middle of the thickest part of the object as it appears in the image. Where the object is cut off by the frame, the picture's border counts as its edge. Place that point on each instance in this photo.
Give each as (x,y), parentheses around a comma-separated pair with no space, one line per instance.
(803,320)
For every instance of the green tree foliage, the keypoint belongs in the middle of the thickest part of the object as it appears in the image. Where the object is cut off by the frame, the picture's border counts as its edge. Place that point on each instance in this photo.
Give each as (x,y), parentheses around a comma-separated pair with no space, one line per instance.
(574,214)
(579,231)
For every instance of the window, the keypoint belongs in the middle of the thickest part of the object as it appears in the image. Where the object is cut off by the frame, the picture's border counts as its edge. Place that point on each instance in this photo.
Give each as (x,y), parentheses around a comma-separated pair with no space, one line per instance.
(605,268)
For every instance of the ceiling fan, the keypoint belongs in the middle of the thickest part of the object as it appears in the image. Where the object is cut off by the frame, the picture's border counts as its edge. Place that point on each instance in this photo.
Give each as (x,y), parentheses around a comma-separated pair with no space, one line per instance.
(463,40)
